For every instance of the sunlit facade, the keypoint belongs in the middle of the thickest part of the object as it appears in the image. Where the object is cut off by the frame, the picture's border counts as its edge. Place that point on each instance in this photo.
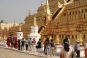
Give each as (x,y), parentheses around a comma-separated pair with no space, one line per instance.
(4,29)
(72,21)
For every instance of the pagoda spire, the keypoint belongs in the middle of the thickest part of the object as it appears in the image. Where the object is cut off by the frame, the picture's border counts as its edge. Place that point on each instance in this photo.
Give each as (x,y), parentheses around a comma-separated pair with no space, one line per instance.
(35,23)
(47,8)
(19,27)
(47,2)
(41,3)
(29,13)
(48,13)
(14,24)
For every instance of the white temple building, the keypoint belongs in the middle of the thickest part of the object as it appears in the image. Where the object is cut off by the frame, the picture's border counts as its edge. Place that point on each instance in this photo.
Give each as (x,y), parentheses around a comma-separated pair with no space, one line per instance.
(19,33)
(34,31)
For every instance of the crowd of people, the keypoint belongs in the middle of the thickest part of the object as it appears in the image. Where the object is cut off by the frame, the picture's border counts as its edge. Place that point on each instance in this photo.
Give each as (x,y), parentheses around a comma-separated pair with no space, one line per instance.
(12,41)
(21,44)
(47,47)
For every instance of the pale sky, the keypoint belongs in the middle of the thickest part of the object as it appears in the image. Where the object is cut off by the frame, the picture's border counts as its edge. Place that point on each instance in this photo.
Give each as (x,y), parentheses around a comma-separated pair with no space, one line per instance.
(17,10)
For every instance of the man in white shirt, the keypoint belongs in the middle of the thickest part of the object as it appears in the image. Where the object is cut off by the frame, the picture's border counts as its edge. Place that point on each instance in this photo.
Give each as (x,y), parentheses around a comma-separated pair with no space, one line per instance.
(77,48)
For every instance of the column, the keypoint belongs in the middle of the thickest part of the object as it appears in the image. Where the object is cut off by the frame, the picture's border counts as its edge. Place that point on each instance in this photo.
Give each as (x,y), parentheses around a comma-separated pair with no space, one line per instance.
(80,39)
(57,39)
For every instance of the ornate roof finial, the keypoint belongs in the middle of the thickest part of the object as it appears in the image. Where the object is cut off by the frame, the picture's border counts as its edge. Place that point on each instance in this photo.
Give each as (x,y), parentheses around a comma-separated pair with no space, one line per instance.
(47,2)
(35,23)
(60,5)
(19,27)
(41,3)
(14,24)
(47,8)
(48,13)
(29,13)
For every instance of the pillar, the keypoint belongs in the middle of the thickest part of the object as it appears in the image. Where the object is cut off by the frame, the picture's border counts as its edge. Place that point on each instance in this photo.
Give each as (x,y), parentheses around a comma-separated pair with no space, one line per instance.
(57,39)
(80,38)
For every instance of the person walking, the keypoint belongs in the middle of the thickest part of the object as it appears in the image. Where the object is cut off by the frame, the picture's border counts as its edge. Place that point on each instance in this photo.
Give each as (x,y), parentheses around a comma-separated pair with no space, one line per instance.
(22,44)
(34,45)
(8,41)
(52,47)
(15,42)
(85,49)
(67,50)
(12,41)
(19,44)
(47,49)
(39,44)
(30,45)
(77,48)
(26,44)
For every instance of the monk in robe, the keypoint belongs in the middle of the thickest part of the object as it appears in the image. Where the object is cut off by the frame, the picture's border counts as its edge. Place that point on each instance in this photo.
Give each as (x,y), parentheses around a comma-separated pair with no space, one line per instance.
(8,41)
(15,42)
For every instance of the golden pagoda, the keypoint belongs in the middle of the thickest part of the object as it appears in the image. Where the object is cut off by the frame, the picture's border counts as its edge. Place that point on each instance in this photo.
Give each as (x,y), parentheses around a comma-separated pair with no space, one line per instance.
(57,24)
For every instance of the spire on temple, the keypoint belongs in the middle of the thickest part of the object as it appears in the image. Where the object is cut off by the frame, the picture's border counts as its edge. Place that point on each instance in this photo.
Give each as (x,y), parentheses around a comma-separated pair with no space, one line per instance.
(14,24)
(29,13)
(41,3)
(47,8)
(19,27)
(35,23)
(48,13)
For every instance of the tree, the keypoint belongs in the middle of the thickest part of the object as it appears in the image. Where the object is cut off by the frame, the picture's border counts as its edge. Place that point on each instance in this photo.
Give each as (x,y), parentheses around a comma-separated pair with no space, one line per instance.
(1,21)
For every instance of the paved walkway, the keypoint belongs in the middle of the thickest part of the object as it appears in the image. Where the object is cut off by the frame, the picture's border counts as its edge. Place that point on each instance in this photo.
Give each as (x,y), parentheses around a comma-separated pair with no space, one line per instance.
(13,53)
(6,52)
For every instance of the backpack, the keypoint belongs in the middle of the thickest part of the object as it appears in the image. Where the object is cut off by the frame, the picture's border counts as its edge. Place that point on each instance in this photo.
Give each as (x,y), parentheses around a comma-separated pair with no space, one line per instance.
(34,41)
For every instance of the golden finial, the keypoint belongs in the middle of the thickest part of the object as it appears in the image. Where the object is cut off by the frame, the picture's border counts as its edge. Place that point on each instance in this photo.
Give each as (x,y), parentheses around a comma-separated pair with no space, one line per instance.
(48,13)
(47,8)
(47,2)
(60,5)
(29,13)
(41,3)
(14,24)
(35,24)
(19,27)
